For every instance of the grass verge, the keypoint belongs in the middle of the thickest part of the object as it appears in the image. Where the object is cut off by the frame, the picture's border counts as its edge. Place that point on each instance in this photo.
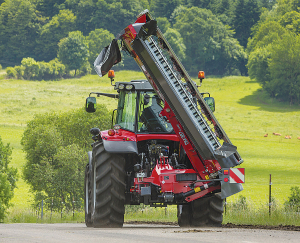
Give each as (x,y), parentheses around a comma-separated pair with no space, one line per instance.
(238,215)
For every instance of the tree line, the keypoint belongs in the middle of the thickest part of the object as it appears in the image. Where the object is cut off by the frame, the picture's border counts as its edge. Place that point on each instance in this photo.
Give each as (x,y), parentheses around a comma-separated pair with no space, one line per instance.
(209,34)
(44,40)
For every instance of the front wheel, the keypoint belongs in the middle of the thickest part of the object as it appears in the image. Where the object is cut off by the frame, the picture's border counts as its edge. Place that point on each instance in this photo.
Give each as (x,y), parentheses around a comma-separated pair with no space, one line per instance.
(108,188)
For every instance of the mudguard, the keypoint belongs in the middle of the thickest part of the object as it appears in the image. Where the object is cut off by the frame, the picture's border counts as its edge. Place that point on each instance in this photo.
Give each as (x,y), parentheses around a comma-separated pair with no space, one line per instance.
(228,189)
(120,146)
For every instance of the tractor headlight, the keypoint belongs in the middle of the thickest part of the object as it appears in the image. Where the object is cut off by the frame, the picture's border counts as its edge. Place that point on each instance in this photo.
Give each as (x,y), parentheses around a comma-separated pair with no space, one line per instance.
(129,86)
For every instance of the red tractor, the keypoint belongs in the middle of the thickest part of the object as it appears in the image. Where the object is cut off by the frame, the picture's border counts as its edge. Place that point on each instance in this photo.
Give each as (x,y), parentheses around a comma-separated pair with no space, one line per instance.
(165,147)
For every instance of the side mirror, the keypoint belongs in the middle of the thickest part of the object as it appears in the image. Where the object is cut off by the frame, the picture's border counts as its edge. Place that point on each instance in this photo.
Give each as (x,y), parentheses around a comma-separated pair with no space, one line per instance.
(210,101)
(90,104)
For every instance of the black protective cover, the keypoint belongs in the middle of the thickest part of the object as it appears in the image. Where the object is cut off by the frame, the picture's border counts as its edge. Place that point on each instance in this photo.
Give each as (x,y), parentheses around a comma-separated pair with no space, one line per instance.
(109,56)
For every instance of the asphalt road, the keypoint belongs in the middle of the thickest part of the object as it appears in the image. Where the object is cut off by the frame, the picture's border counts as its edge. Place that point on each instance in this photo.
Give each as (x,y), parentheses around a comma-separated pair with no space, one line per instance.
(140,233)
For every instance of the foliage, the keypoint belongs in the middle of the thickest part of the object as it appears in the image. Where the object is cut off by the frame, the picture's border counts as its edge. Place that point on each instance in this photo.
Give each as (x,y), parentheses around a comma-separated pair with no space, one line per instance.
(53,31)
(34,29)
(210,45)
(267,33)
(60,178)
(246,15)
(273,51)
(73,51)
(33,70)
(11,72)
(56,154)
(163,8)
(97,39)
(226,12)
(176,42)
(293,201)
(8,178)
(163,24)
(241,203)
(19,28)
(104,14)
(284,69)
(258,66)
(49,8)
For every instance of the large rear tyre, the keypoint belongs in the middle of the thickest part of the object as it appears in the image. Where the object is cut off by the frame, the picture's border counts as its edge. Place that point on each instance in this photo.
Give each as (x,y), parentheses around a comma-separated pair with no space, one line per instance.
(108,188)
(202,212)
(87,197)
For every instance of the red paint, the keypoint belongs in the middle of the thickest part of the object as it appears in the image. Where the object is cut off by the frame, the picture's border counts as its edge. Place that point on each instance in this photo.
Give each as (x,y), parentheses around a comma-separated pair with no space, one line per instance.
(143,137)
(194,157)
(121,135)
(141,19)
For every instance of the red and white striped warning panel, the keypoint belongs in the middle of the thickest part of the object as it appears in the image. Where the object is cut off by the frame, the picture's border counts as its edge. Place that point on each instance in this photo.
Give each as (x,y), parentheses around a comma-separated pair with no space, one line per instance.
(237,175)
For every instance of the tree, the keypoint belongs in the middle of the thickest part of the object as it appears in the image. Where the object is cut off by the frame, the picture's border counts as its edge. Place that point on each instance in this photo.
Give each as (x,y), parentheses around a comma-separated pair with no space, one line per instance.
(164,8)
(246,15)
(291,21)
(56,154)
(19,30)
(52,32)
(176,42)
(110,15)
(69,174)
(73,51)
(97,40)
(8,179)
(49,8)
(163,24)
(212,5)
(225,12)
(268,32)
(31,68)
(268,4)
(258,67)
(284,68)
(210,45)
(61,178)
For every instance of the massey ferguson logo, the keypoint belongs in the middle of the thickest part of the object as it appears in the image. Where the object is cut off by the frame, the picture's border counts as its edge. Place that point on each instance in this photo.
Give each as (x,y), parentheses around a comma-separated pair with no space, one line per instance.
(181,134)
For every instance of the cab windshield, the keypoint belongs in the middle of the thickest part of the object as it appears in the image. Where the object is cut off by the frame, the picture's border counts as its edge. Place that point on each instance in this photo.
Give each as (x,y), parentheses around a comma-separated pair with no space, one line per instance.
(126,110)
(141,108)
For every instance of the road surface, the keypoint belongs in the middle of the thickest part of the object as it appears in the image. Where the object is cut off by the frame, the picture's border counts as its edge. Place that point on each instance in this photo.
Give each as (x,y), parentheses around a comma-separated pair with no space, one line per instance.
(140,233)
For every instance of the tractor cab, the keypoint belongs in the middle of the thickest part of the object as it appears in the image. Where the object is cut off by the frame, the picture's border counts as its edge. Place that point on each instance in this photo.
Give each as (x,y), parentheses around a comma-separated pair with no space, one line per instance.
(138,108)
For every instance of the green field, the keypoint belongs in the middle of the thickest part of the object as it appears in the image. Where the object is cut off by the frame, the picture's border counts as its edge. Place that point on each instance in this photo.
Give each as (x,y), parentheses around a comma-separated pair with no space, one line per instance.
(245,113)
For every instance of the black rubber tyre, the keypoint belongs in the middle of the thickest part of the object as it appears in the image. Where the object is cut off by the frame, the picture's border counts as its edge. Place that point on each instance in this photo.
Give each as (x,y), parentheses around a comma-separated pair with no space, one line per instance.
(207,211)
(108,188)
(87,197)
(202,212)
(183,215)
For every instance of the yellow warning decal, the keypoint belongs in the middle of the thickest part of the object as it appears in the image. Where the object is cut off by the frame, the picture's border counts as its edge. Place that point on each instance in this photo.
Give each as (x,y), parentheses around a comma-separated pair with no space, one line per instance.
(207,177)
(197,189)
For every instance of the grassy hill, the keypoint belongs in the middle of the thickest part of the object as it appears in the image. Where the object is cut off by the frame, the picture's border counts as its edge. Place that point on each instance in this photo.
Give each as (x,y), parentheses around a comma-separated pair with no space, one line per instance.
(244,111)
